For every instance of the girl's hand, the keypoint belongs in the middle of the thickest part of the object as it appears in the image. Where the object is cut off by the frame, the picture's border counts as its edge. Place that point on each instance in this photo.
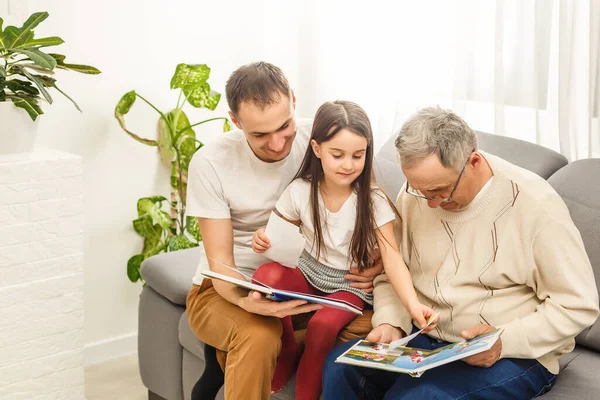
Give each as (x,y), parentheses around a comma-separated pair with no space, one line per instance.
(422,314)
(260,241)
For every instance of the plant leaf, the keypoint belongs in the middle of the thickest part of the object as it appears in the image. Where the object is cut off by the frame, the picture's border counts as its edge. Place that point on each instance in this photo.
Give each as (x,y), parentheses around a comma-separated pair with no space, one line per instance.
(14,36)
(60,59)
(37,68)
(68,97)
(122,108)
(39,83)
(2,95)
(226,126)
(133,267)
(200,96)
(17,85)
(43,42)
(189,74)
(193,228)
(152,248)
(165,148)
(152,207)
(124,105)
(39,57)
(2,41)
(2,72)
(34,20)
(30,105)
(84,69)
(143,226)
(179,242)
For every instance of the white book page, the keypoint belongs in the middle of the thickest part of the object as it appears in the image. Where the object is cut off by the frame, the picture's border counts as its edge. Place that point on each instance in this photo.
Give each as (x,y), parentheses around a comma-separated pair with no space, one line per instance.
(406,339)
(287,243)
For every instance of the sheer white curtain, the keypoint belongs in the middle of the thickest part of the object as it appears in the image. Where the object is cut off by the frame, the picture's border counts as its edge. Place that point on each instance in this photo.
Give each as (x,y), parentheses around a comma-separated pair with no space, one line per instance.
(523,68)
(531,70)
(389,57)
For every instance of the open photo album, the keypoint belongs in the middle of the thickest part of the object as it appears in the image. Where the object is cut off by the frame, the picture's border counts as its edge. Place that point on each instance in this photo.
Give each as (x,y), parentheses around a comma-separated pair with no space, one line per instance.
(414,361)
(283,295)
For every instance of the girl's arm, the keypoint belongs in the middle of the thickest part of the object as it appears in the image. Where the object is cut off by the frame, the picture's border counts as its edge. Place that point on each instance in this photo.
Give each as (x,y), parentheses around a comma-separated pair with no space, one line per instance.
(399,276)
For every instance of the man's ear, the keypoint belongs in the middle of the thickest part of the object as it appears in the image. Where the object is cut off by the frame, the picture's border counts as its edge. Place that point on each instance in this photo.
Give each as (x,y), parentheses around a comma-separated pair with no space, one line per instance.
(235,121)
(475,159)
(316,148)
(293,99)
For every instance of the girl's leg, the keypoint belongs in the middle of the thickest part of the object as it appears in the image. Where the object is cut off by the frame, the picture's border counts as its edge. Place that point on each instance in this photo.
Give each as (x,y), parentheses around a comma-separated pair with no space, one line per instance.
(280,277)
(321,335)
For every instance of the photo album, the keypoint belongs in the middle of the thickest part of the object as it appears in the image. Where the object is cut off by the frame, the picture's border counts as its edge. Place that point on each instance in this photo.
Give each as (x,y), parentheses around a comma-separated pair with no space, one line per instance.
(414,361)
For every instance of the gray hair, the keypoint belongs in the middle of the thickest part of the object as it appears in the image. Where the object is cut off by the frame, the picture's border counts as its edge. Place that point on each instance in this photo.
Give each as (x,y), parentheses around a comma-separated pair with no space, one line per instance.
(433,130)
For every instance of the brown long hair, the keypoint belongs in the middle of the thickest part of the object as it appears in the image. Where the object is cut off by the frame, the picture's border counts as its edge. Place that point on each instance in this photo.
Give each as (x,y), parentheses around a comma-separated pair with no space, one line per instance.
(330,119)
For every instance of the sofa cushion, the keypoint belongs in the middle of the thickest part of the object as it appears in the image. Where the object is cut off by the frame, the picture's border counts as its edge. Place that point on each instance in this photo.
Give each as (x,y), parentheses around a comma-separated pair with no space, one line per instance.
(188,340)
(578,378)
(532,157)
(579,185)
(170,274)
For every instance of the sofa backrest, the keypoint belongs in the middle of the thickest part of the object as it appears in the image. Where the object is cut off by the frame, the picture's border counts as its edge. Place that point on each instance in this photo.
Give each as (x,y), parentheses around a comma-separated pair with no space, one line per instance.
(532,157)
(579,185)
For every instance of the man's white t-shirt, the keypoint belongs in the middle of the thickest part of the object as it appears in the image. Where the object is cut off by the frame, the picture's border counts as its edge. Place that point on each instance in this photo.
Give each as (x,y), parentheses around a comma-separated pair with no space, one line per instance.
(338,227)
(227,180)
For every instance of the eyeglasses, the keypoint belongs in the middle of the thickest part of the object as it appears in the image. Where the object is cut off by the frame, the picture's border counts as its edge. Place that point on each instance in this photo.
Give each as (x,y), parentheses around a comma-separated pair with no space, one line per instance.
(448,199)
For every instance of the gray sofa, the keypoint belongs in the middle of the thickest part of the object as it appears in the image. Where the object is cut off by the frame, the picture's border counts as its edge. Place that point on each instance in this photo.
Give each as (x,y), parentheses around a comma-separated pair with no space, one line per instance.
(171,358)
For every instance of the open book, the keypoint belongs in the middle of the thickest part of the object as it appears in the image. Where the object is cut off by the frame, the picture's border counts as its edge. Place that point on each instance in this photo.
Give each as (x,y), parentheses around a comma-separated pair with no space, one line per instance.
(283,295)
(413,361)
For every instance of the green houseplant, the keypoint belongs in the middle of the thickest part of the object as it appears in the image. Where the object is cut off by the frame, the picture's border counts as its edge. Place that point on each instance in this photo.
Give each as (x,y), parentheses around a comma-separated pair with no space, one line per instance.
(26,71)
(176,141)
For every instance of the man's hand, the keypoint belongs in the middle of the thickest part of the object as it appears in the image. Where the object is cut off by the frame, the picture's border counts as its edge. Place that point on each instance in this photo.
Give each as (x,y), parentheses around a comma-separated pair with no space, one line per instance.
(256,303)
(364,280)
(384,333)
(487,358)
(260,241)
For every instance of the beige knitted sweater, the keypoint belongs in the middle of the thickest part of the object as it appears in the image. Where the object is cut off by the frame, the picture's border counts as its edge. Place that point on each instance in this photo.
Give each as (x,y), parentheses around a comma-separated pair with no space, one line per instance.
(512,259)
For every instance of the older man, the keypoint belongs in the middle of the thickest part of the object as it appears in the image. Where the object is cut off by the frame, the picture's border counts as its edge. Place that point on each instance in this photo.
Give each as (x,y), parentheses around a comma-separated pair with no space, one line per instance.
(489,245)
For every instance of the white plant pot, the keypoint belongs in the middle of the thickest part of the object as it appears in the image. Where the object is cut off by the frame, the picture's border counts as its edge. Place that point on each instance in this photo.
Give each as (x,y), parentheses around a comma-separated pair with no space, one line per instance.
(17,132)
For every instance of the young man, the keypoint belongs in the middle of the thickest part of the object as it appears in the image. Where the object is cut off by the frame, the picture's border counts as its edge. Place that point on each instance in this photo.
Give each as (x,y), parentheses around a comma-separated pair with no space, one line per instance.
(233,186)
(489,245)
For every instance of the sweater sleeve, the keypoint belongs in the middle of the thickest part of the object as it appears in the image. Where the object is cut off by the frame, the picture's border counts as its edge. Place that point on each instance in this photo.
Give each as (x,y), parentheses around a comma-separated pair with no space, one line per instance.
(387,307)
(563,280)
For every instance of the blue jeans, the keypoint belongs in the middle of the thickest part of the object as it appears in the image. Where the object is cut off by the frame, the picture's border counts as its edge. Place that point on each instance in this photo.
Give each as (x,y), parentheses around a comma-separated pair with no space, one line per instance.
(509,378)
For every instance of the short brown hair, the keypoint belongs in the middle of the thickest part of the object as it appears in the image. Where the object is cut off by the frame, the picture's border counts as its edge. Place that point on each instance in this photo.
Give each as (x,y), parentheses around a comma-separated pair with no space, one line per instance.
(259,83)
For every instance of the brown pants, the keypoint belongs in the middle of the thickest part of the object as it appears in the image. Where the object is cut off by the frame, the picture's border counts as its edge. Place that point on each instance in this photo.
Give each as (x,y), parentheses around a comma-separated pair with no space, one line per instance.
(247,344)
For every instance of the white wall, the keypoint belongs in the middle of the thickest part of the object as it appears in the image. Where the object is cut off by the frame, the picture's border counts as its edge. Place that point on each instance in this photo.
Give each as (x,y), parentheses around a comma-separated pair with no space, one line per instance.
(137,45)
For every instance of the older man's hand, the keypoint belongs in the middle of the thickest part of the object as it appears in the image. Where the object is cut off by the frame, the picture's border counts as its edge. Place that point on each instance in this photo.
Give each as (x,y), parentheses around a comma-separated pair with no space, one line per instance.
(364,280)
(384,333)
(487,358)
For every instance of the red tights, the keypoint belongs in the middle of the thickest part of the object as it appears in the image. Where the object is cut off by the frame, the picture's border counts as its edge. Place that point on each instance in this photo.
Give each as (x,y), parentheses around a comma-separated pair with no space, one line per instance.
(321,333)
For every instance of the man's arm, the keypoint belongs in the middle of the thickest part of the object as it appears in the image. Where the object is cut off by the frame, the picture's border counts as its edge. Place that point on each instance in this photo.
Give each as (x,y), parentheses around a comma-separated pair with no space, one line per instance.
(563,278)
(217,236)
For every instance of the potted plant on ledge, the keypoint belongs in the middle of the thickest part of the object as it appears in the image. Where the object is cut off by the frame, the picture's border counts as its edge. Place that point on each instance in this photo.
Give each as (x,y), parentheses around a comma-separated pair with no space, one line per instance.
(26,80)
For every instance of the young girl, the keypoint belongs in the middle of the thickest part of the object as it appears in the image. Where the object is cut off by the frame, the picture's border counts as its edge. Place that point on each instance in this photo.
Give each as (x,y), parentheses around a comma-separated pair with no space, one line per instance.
(344,218)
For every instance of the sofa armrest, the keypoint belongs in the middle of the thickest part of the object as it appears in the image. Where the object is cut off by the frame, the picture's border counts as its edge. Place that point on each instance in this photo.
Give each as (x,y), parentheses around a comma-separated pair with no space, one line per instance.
(170,274)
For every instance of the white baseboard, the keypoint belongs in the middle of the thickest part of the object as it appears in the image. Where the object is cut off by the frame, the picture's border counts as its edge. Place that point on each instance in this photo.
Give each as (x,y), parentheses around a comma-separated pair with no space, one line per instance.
(104,350)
